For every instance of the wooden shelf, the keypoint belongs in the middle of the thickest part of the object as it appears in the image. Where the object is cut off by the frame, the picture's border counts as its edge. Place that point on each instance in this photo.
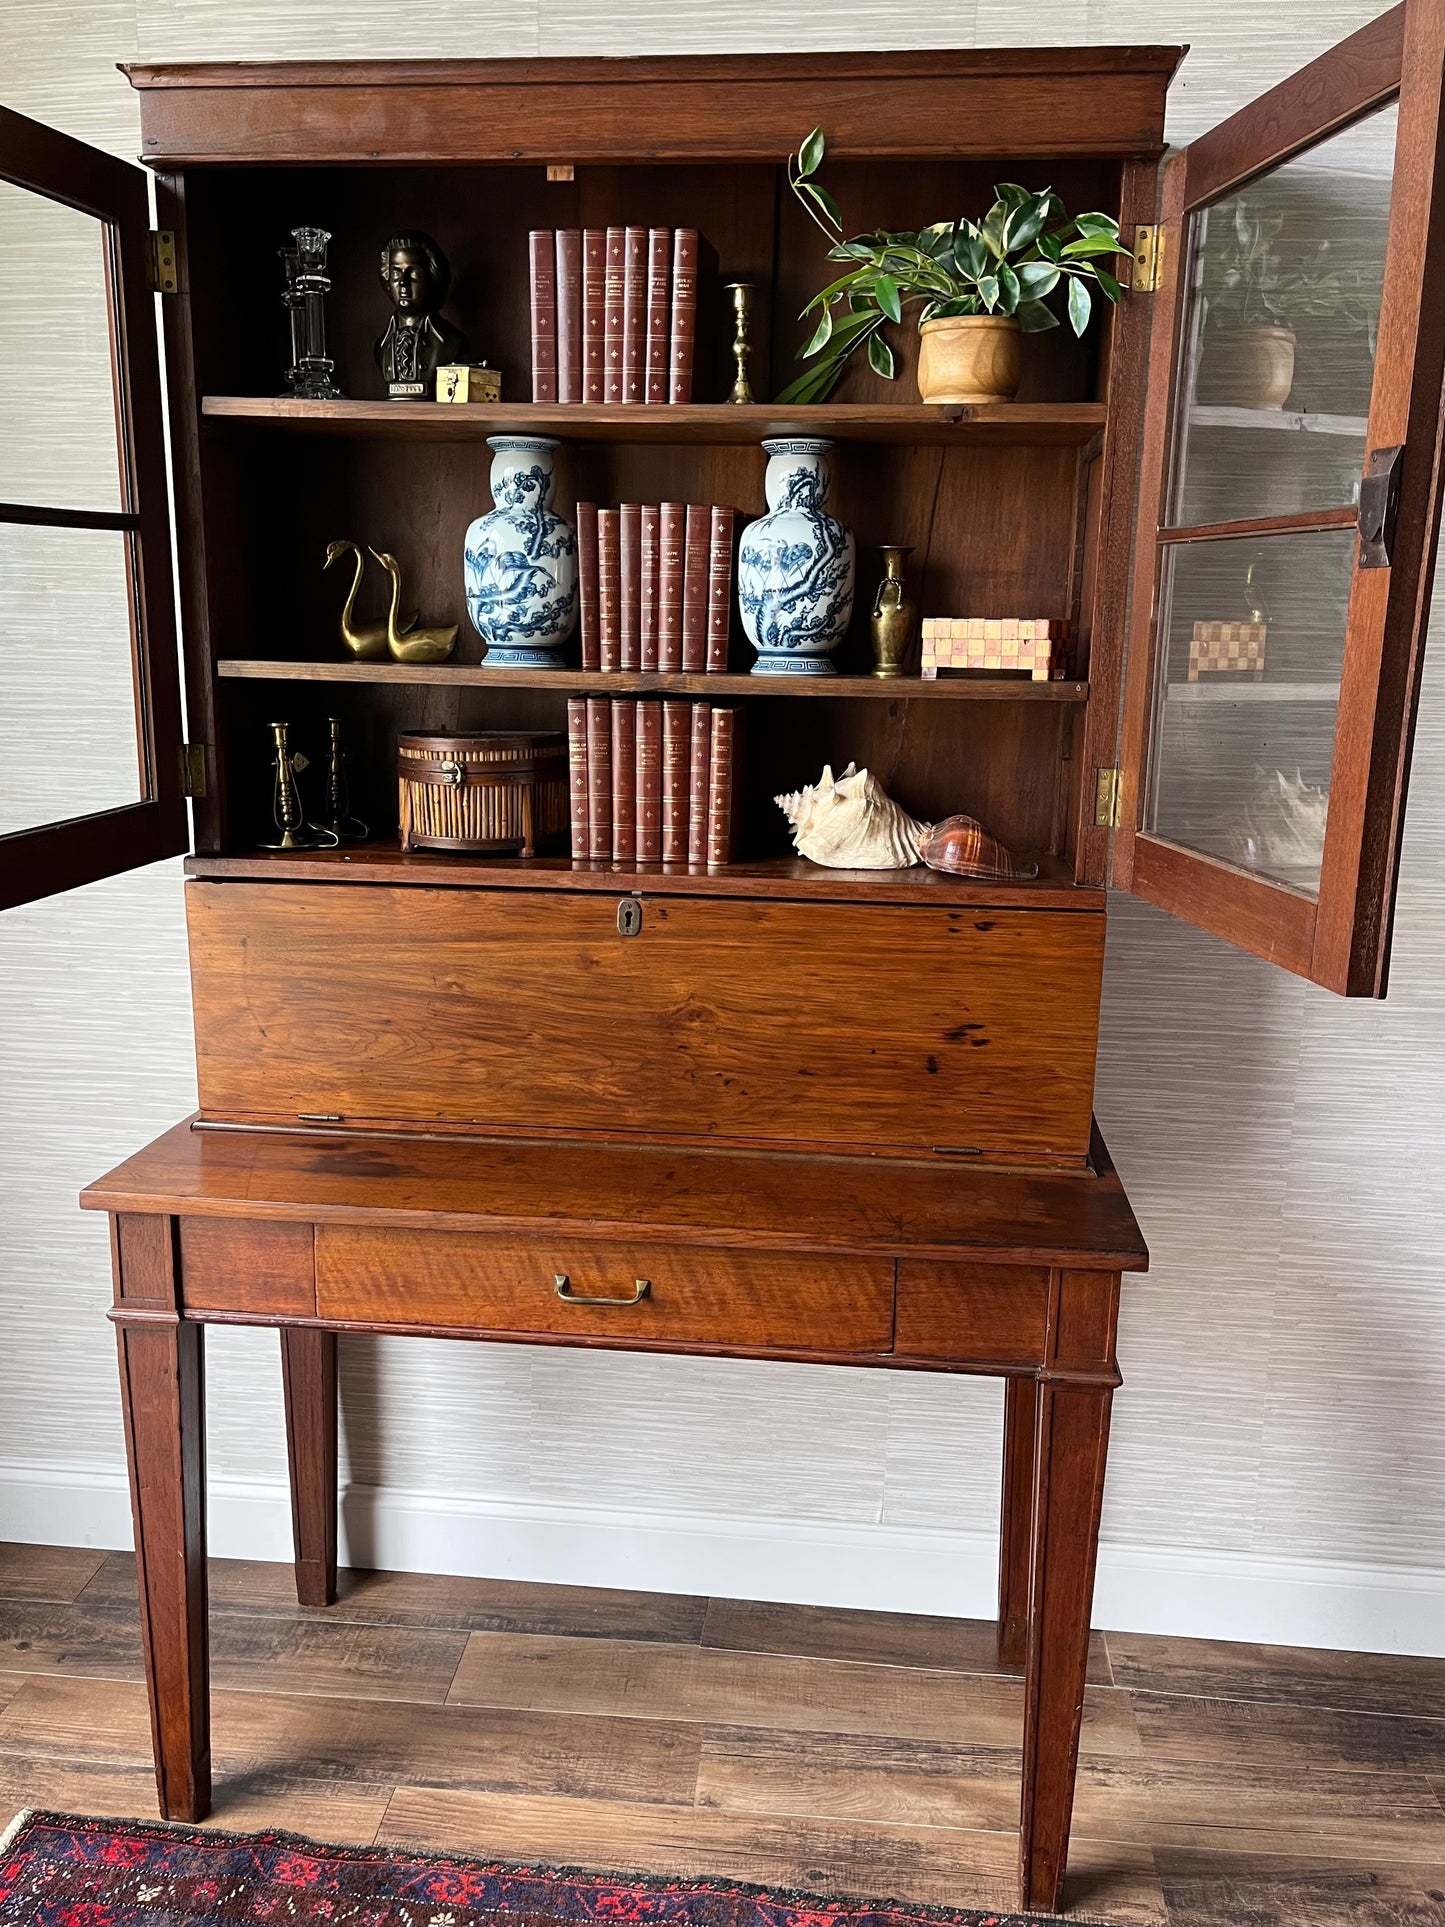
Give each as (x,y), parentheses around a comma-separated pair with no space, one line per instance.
(1235,689)
(623,682)
(1203,416)
(720,423)
(382,862)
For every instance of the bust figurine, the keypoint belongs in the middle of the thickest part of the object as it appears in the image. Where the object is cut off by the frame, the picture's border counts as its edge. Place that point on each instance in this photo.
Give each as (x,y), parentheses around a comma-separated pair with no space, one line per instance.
(418,339)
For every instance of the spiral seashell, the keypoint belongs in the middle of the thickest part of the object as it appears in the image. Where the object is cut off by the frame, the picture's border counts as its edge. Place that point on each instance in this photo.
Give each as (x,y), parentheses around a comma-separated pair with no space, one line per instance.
(851,823)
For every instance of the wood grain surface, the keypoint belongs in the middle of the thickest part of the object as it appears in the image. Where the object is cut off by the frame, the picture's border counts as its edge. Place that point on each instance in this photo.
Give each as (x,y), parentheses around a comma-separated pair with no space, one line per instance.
(749,1021)
(701,1296)
(875,1754)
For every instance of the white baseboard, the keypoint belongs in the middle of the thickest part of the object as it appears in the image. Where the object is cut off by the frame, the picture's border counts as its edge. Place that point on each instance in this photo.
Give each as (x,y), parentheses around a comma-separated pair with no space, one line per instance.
(1180,1590)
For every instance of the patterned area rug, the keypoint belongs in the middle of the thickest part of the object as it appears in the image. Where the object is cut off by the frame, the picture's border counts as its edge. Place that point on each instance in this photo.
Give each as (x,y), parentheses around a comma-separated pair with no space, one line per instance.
(57,1870)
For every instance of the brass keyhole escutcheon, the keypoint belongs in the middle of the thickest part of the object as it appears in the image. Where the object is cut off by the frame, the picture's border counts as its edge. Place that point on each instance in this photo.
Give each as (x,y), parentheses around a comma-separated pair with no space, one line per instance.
(629,917)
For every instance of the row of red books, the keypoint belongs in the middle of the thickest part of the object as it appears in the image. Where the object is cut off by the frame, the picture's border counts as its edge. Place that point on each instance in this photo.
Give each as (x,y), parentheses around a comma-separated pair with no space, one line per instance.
(656,585)
(614,313)
(653,782)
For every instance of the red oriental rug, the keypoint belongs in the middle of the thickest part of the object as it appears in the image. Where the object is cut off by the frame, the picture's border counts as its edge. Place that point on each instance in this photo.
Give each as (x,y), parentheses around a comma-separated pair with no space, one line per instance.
(57,1870)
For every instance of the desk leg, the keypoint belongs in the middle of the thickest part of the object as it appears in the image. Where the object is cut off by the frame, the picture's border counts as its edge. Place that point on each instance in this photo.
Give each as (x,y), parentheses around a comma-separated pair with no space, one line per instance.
(1016,1522)
(163,1395)
(308,1372)
(1070,1442)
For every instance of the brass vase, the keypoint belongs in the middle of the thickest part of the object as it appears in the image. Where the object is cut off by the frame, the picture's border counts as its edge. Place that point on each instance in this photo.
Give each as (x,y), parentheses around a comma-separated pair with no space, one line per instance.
(891,624)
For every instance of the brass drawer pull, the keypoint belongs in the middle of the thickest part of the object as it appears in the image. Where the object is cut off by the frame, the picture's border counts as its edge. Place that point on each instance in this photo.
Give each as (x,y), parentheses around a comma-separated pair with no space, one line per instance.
(568,1297)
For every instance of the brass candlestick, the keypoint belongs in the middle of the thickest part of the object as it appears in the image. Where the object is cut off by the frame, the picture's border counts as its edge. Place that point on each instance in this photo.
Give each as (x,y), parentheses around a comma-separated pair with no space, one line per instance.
(286,810)
(890,626)
(742,298)
(340,822)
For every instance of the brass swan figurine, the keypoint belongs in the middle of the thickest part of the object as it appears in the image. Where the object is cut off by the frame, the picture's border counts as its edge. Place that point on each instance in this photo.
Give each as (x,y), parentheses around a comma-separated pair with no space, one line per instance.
(412,645)
(366,641)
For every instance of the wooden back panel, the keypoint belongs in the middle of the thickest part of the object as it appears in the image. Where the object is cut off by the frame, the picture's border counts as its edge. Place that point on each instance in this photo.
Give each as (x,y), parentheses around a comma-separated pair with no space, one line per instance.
(860,1027)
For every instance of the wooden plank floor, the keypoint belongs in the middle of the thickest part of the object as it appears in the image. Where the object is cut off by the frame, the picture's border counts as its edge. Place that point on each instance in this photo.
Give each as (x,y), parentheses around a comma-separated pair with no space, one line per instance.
(1219,1785)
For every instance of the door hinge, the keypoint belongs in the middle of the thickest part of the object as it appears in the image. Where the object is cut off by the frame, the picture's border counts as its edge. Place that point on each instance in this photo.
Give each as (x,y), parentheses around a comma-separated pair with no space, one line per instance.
(1148,259)
(1379,507)
(164,279)
(193,769)
(1106,800)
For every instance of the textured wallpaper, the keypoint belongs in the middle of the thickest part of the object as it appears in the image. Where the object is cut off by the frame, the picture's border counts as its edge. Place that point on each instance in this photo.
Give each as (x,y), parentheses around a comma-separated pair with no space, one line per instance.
(1283,1149)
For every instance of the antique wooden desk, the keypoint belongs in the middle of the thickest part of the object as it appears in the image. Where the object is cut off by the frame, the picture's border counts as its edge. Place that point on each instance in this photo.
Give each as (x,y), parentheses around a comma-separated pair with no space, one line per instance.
(836,1261)
(827,1115)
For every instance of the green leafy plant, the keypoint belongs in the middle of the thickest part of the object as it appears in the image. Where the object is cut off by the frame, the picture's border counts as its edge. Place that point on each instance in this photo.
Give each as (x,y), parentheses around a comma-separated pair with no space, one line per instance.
(1007,264)
(1248,285)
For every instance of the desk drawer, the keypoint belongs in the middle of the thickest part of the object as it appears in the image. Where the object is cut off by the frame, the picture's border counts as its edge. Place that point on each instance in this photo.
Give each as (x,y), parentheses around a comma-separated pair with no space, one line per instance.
(975,1311)
(460,1280)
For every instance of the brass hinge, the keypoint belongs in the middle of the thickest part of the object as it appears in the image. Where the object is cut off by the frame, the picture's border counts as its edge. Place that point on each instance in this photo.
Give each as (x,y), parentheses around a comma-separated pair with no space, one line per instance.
(1148,259)
(1106,800)
(164,279)
(193,769)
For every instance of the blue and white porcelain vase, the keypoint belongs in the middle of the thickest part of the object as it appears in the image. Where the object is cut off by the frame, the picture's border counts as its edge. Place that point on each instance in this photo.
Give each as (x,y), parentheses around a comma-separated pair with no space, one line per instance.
(796,566)
(521,559)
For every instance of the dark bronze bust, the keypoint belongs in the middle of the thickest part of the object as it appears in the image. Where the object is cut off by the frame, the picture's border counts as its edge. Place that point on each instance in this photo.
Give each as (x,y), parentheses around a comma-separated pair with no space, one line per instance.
(418,338)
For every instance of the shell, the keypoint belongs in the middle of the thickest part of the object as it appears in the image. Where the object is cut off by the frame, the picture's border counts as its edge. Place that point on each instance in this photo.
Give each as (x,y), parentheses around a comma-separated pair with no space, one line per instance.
(851,823)
(963,847)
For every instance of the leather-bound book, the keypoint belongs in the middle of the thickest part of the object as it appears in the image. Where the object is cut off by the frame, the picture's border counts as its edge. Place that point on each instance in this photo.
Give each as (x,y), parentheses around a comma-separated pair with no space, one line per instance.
(649,782)
(693,272)
(659,314)
(671,561)
(634,312)
(577,772)
(697,535)
(676,773)
(544,314)
(609,589)
(599,777)
(594,313)
(720,588)
(613,277)
(699,782)
(587,583)
(647,586)
(569,314)
(629,609)
(624,782)
(725,788)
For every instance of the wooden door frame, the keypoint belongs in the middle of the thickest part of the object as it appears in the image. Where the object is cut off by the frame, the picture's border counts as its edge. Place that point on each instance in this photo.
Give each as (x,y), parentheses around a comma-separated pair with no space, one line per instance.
(59,856)
(1341,938)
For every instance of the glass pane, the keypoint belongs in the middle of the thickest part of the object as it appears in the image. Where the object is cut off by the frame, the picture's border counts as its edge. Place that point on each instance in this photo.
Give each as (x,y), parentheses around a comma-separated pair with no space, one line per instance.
(1251,637)
(1285,278)
(68,742)
(58,446)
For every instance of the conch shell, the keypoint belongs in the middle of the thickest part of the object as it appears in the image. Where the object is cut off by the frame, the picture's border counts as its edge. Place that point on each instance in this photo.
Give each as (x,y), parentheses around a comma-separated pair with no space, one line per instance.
(851,823)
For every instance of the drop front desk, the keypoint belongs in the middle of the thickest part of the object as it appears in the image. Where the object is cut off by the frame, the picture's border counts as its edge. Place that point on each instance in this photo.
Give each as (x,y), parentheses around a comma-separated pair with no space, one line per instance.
(770,1111)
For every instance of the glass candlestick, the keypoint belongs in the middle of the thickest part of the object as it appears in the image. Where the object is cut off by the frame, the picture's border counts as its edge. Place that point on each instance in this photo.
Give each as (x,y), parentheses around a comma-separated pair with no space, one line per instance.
(307,283)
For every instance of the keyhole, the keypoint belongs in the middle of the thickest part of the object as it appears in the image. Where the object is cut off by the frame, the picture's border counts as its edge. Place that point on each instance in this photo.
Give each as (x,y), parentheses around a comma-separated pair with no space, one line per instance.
(629,917)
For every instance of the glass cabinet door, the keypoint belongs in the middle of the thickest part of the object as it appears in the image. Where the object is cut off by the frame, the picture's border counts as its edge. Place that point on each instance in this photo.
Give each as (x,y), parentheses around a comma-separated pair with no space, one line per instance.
(1288,510)
(89,705)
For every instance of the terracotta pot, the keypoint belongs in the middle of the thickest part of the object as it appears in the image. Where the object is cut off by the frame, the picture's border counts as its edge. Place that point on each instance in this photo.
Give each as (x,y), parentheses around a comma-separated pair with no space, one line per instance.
(969,357)
(1248,367)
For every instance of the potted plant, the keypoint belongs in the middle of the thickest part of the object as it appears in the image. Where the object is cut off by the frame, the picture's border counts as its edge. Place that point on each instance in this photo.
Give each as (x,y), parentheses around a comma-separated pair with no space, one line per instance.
(978,287)
(1251,303)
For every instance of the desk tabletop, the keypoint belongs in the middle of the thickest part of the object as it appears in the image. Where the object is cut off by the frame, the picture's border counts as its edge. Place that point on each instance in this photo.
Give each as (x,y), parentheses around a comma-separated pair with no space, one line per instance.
(664,1193)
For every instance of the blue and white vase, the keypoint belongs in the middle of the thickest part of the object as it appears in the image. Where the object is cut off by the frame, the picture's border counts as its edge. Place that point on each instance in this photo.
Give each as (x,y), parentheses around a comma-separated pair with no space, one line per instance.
(796,566)
(521,559)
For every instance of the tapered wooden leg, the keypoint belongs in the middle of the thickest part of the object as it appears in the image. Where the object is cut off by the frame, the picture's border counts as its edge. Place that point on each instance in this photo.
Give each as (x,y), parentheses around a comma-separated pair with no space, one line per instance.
(163,1395)
(308,1372)
(1071,1438)
(1016,1527)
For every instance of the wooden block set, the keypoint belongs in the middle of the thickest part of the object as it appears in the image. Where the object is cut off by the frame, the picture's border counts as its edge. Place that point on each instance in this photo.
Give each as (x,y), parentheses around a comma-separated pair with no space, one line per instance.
(1227,648)
(998,645)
